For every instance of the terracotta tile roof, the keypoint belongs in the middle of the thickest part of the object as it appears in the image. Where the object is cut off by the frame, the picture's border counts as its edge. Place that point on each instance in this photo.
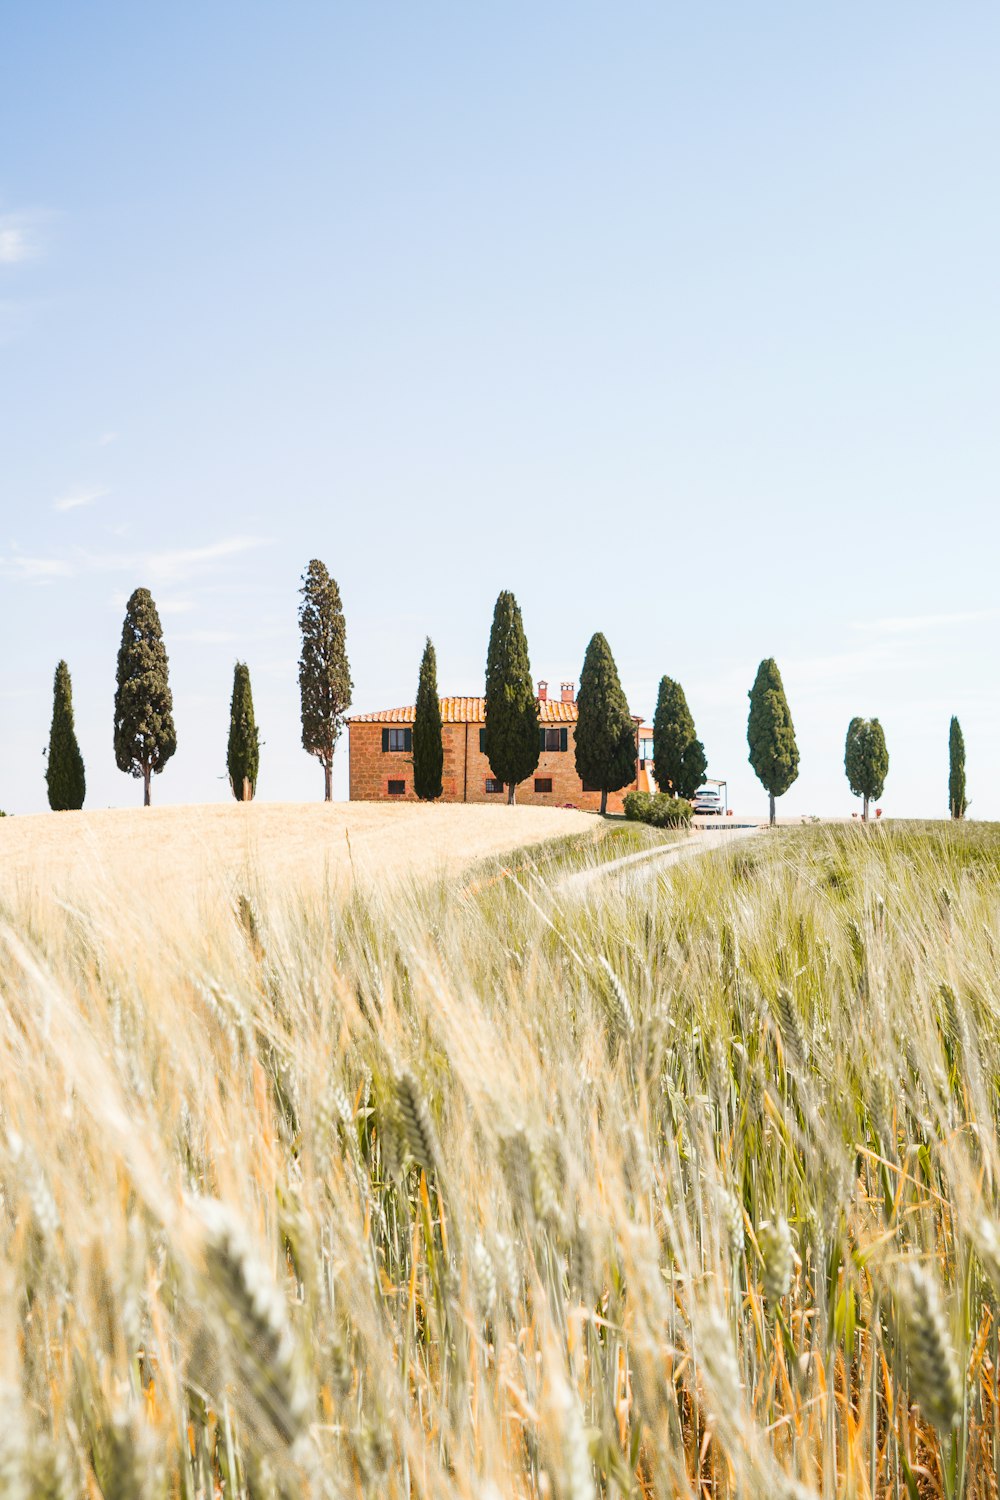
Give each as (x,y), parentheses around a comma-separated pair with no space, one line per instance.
(466,711)
(469,711)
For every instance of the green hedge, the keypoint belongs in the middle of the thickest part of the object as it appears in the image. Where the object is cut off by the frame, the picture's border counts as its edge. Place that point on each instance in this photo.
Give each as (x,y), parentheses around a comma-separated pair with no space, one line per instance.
(657,809)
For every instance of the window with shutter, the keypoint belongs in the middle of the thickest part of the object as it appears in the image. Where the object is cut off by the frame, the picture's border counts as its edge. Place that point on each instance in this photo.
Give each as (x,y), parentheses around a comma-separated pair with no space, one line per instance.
(482,742)
(385,740)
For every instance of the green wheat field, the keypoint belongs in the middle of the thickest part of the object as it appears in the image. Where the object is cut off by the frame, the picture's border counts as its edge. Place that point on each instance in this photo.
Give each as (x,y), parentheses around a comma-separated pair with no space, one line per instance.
(667,1184)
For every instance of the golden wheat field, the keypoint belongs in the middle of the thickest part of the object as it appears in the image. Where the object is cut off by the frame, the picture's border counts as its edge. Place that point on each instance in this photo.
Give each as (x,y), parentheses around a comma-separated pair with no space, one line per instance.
(493,1183)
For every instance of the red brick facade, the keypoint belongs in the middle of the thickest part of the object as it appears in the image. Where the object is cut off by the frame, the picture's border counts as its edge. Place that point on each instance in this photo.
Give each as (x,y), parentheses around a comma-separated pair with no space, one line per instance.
(467,773)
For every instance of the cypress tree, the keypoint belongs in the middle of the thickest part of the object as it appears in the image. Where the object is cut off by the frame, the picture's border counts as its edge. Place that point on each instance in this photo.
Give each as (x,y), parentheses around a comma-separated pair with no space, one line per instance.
(428,746)
(866,760)
(957,803)
(605,730)
(774,754)
(145,737)
(511,739)
(324,675)
(243,753)
(64,774)
(679,761)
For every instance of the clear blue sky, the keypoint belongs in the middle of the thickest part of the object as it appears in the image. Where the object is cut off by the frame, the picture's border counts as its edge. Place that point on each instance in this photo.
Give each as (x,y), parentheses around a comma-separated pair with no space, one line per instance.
(681,321)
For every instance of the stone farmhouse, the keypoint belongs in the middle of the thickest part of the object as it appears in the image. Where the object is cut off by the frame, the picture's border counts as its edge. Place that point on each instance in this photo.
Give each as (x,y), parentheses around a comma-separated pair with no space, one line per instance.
(381,756)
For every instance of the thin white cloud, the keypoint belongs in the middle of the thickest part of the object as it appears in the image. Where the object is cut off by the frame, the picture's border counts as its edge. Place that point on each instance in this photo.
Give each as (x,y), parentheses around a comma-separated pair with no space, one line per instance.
(35,569)
(908,624)
(157,567)
(172,565)
(106,438)
(74,499)
(18,238)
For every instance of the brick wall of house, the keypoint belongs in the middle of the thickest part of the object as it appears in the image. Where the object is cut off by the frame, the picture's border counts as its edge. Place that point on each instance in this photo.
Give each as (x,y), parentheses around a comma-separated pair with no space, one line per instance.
(466,771)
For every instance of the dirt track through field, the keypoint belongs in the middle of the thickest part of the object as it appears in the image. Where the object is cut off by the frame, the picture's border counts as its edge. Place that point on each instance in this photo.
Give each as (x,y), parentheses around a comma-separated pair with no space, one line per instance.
(650,861)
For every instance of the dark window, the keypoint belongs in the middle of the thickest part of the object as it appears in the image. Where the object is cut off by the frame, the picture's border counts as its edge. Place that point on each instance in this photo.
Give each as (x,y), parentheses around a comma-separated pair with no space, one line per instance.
(397,739)
(553,739)
(543,783)
(397,788)
(482,742)
(492,785)
(588,786)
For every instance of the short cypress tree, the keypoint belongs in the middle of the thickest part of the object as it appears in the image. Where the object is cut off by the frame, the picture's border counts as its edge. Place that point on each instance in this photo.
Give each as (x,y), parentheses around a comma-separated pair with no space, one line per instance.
(774,754)
(243,753)
(64,773)
(324,674)
(145,737)
(957,802)
(866,760)
(428,746)
(606,747)
(679,761)
(511,738)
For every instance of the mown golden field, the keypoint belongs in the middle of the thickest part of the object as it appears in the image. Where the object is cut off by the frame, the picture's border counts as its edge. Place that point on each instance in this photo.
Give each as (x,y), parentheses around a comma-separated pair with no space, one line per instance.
(499,1184)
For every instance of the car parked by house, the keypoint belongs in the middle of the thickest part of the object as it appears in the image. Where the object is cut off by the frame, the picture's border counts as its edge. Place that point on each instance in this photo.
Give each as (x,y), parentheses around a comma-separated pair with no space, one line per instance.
(707,802)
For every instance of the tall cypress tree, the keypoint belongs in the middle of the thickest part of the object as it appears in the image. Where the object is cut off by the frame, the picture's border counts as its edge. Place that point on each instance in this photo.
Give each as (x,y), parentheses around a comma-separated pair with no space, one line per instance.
(324,675)
(774,754)
(64,773)
(605,730)
(957,803)
(145,737)
(243,752)
(866,760)
(428,746)
(511,739)
(679,761)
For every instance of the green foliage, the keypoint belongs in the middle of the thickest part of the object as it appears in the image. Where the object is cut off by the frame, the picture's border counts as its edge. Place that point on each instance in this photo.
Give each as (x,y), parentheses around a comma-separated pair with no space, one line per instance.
(243,753)
(774,754)
(679,760)
(866,760)
(605,729)
(145,737)
(511,710)
(658,809)
(957,801)
(324,674)
(428,746)
(64,773)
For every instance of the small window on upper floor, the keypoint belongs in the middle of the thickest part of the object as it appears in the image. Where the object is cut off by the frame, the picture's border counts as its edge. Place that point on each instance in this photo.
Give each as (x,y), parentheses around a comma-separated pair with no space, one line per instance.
(553,739)
(397,739)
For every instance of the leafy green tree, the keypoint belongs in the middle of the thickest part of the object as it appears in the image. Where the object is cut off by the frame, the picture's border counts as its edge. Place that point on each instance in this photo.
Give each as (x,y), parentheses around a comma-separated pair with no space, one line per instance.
(866,760)
(511,739)
(64,773)
(324,675)
(679,761)
(428,745)
(606,746)
(957,802)
(145,737)
(243,753)
(774,754)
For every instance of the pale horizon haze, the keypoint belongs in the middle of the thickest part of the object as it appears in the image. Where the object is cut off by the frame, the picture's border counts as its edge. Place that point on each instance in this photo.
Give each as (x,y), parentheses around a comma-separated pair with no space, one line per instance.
(681,322)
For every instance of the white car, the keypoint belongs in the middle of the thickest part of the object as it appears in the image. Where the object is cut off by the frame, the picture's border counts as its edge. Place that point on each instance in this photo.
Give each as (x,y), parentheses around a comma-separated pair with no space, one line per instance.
(707,802)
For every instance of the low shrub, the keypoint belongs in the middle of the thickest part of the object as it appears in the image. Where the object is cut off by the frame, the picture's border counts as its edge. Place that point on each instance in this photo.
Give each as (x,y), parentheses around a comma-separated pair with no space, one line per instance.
(657,809)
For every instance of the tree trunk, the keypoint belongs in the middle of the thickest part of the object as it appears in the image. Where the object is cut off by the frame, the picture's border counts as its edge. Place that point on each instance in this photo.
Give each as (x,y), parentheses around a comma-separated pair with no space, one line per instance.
(511,792)
(604,800)
(864,814)
(772,820)
(328,781)
(247,790)
(146,777)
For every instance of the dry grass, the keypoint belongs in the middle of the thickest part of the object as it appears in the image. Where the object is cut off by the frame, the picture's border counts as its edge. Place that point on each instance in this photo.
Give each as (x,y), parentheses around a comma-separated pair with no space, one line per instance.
(309,844)
(687,1187)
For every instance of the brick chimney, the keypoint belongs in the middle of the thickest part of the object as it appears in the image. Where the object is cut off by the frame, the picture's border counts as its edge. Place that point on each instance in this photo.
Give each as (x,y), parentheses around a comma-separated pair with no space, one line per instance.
(543,692)
(568,692)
